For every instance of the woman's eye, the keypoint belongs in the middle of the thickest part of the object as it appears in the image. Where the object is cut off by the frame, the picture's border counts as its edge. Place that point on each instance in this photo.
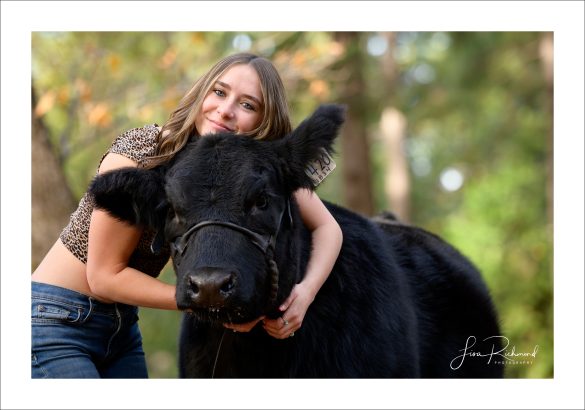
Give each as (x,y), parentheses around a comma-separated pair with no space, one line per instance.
(248,106)
(219,93)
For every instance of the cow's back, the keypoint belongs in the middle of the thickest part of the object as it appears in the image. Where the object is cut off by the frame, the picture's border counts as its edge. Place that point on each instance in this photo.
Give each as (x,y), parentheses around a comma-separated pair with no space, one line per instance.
(453,304)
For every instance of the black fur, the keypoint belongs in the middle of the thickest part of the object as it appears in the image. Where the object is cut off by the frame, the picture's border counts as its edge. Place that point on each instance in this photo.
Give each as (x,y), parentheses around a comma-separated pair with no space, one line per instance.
(400,302)
(132,195)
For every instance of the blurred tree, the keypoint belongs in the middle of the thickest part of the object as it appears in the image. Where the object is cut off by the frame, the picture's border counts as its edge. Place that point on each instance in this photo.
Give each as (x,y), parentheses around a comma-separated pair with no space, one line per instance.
(393,127)
(52,200)
(397,178)
(547,57)
(357,179)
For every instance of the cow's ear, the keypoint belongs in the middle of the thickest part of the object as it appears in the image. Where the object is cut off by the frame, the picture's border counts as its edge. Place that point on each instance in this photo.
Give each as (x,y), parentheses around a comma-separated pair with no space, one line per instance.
(306,143)
(133,195)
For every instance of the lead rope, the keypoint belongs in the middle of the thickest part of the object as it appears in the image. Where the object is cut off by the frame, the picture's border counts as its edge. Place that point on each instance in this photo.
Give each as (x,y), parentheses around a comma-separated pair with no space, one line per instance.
(217,354)
(274,276)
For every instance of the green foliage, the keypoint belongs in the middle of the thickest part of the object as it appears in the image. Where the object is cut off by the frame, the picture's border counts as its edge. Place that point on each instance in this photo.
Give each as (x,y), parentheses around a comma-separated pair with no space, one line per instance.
(475,102)
(486,115)
(160,333)
(512,248)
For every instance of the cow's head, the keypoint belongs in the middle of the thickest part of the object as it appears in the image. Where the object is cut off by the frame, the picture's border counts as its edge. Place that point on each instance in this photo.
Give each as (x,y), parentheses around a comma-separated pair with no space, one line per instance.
(225,206)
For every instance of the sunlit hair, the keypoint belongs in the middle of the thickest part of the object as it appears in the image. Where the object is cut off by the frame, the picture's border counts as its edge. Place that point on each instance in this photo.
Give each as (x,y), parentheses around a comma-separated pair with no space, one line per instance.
(181,123)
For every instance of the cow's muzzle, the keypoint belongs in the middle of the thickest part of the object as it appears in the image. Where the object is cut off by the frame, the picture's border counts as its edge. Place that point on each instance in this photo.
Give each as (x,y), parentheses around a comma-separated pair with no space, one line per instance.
(212,287)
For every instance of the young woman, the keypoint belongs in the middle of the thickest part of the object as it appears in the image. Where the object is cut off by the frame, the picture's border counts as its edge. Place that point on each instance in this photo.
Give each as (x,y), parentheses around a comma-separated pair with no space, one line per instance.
(86,290)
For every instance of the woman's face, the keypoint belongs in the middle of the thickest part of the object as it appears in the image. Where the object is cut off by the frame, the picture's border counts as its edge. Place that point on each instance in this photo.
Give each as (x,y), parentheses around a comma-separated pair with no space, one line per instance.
(234,103)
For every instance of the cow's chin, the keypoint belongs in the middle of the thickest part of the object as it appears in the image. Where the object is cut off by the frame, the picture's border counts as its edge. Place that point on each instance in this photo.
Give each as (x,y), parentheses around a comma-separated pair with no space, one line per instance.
(221,315)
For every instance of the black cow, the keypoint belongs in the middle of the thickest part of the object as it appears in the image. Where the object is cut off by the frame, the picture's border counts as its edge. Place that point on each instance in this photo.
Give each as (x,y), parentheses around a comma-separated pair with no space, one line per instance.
(399,302)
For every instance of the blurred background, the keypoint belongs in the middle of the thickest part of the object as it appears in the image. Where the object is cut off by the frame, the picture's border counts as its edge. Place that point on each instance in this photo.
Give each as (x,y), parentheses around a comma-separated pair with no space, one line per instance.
(452,131)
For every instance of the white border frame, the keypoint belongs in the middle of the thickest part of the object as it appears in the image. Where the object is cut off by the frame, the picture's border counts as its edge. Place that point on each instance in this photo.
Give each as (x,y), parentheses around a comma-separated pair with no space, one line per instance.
(19,19)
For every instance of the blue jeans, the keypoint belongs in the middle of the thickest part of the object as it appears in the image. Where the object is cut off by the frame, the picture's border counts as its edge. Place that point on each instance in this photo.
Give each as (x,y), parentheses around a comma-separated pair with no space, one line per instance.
(75,336)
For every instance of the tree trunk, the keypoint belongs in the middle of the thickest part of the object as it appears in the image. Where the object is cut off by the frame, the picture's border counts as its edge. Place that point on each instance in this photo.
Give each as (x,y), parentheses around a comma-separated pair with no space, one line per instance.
(397,178)
(546,56)
(393,132)
(357,178)
(52,201)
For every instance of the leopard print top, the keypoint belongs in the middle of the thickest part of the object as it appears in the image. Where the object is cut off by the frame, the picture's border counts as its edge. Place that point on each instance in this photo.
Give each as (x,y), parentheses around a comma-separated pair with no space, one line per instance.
(137,144)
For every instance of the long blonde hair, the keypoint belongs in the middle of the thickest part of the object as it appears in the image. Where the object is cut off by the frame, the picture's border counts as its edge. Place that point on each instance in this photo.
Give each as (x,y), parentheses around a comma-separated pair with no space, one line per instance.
(275,123)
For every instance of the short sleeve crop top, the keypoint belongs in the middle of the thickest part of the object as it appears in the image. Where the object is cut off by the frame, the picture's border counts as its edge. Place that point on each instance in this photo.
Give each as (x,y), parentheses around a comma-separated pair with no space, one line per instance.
(136,144)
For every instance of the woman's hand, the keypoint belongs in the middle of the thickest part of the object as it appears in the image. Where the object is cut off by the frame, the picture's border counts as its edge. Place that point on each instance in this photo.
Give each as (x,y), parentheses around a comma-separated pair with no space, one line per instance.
(294,309)
(243,327)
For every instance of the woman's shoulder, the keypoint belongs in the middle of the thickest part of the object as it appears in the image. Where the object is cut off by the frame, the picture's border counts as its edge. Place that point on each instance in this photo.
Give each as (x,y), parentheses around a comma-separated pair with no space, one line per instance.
(136,143)
(135,135)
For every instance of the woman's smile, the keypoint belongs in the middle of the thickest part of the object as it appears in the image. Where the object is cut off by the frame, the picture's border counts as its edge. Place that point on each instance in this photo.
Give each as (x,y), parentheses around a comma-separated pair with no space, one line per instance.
(219,125)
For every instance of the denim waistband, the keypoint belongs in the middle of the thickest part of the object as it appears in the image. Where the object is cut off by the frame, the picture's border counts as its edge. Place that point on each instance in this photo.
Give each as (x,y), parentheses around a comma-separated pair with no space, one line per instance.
(57,293)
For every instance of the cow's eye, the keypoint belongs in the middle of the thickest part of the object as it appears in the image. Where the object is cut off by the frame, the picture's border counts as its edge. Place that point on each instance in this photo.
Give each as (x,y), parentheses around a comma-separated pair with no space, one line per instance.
(262,202)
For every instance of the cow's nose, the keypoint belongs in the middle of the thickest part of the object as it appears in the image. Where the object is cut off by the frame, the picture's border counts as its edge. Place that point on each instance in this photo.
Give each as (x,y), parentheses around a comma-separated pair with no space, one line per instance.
(212,287)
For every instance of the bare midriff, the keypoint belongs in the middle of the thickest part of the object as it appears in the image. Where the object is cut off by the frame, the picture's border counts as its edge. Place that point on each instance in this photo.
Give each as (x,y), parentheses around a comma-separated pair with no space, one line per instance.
(61,268)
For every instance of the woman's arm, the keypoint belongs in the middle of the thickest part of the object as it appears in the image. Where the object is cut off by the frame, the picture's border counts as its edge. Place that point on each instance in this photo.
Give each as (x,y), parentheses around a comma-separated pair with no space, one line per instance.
(326,239)
(111,243)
